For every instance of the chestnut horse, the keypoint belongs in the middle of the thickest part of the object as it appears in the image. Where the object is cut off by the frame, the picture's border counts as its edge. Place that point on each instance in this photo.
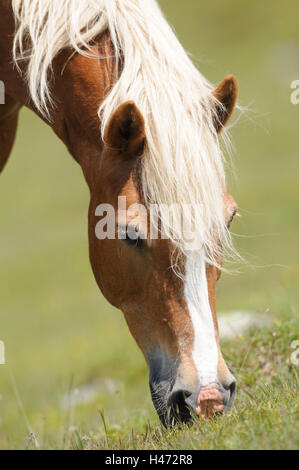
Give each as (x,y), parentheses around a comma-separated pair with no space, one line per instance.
(115,85)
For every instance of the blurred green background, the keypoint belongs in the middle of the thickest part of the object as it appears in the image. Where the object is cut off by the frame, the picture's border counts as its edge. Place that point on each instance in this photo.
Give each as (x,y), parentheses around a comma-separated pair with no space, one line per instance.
(58,330)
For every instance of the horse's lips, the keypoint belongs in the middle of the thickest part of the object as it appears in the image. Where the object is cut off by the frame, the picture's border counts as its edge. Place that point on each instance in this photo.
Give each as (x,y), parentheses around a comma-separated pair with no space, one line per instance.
(209,402)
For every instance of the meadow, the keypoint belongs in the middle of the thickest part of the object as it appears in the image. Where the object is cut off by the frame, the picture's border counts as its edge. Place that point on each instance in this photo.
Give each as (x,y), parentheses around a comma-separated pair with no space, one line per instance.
(74,377)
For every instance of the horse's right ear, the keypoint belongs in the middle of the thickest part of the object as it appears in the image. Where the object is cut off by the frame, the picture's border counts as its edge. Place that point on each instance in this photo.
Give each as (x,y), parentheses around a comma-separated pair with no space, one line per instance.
(125,131)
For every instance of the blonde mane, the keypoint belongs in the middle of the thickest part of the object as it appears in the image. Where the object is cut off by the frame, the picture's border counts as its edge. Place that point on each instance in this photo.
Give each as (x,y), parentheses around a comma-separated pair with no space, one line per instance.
(183,162)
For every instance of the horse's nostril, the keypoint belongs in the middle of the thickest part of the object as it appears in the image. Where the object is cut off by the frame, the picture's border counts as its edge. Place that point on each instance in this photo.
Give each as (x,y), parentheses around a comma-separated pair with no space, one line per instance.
(178,397)
(232,388)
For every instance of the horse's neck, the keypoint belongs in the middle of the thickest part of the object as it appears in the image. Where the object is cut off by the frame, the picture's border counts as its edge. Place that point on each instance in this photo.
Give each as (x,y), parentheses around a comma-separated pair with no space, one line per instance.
(14,85)
(79,87)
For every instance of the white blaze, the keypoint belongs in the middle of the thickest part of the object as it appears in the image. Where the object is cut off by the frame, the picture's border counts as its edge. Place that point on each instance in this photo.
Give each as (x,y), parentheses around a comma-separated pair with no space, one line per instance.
(205,351)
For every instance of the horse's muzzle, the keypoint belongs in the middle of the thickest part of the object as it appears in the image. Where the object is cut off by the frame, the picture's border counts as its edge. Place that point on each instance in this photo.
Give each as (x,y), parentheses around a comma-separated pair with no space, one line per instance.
(207,402)
(177,403)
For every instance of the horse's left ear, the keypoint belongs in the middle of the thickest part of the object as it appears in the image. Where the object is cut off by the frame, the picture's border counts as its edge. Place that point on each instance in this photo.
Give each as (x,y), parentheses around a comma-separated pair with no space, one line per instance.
(227,94)
(125,131)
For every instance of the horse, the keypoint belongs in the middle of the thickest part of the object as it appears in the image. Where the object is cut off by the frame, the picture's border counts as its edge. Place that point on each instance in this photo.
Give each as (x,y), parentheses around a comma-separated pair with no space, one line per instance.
(116,86)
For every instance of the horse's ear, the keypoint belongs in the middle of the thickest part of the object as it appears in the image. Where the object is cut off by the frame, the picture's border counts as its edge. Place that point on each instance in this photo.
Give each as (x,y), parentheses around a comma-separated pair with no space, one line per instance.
(125,131)
(227,94)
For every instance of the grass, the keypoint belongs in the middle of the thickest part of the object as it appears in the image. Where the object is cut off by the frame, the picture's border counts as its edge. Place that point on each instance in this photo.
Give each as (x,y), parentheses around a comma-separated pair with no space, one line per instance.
(265,415)
(58,330)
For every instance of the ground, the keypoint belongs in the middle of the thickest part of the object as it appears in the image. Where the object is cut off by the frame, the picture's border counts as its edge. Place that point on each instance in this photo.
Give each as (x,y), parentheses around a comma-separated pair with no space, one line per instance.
(62,336)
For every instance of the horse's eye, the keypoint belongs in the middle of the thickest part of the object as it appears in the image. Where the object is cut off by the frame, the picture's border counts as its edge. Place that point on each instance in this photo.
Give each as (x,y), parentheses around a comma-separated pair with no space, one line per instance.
(128,237)
(137,243)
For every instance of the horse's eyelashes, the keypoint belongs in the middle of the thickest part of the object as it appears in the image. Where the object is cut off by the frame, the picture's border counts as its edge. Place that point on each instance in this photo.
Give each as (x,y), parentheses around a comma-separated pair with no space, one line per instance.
(235,213)
(130,236)
(134,243)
